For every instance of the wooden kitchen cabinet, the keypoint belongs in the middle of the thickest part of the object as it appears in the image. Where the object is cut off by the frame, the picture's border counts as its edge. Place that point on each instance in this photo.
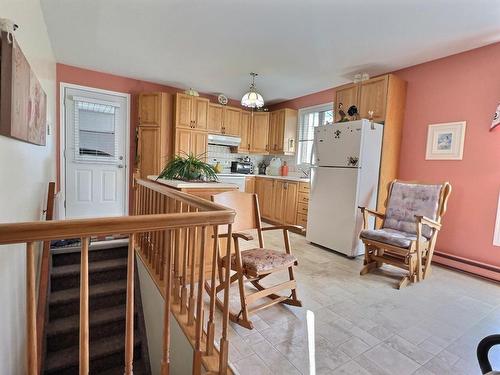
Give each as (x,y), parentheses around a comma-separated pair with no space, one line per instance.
(154,139)
(373,97)
(224,120)
(264,189)
(191,112)
(283,131)
(189,141)
(149,109)
(259,142)
(215,118)
(279,194)
(148,151)
(250,185)
(278,200)
(231,121)
(245,132)
(290,202)
(347,96)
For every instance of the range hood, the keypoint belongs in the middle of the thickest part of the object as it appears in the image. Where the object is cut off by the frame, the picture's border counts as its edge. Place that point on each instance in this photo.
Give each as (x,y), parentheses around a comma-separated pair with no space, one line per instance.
(223,140)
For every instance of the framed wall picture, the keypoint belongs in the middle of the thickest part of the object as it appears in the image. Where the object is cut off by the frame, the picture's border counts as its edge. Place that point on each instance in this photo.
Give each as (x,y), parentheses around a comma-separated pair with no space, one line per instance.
(23,103)
(445,141)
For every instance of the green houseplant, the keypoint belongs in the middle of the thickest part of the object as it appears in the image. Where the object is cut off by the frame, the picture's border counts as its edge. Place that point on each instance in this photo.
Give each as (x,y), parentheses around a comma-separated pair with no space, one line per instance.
(188,168)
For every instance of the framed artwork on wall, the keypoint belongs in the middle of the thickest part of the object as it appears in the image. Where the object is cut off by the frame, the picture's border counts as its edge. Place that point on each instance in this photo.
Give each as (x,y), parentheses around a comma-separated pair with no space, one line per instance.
(496,235)
(445,141)
(23,103)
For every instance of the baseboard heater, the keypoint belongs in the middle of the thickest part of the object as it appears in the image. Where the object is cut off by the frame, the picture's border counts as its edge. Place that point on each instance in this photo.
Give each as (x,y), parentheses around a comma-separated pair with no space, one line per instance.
(467,265)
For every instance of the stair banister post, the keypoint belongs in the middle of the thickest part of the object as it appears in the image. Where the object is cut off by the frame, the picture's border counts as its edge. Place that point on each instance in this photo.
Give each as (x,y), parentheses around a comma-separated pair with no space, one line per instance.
(84,307)
(224,342)
(129,323)
(32,366)
(165,362)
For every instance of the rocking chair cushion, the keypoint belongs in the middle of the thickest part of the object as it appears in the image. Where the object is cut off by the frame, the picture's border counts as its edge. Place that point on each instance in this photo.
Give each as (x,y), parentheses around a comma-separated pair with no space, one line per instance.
(389,236)
(406,201)
(262,260)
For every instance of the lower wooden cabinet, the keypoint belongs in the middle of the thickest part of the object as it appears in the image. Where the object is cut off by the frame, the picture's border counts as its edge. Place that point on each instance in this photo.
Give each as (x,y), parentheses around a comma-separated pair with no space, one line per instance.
(279,200)
(264,187)
(250,185)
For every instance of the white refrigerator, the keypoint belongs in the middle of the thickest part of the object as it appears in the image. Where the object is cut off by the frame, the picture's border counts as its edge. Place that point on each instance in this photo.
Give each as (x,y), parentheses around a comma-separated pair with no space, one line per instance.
(344,175)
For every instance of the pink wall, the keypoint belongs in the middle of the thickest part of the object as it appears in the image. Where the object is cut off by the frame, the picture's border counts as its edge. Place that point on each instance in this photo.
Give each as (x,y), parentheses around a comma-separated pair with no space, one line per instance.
(462,87)
(320,97)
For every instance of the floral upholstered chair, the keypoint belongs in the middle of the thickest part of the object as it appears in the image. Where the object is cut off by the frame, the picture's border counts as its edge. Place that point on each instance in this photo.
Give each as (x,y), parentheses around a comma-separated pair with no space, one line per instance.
(253,265)
(409,229)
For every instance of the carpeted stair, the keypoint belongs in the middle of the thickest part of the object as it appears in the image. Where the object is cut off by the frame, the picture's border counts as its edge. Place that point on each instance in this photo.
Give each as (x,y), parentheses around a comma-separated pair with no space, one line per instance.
(108,276)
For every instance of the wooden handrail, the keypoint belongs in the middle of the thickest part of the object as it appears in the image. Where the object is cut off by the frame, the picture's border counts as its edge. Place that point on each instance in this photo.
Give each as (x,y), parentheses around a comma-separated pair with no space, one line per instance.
(61,229)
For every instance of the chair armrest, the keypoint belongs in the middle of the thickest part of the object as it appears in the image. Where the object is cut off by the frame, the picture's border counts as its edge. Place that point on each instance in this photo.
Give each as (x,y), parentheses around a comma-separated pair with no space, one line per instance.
(429,222)
(244,236)
(380,215)
(293,228)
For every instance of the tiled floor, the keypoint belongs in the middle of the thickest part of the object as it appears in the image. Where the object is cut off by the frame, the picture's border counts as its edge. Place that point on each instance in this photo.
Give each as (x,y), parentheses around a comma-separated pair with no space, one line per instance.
(362,325)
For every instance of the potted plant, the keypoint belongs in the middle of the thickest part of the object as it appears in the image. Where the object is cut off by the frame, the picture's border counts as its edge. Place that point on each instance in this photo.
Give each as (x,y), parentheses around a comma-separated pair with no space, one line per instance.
(188,168)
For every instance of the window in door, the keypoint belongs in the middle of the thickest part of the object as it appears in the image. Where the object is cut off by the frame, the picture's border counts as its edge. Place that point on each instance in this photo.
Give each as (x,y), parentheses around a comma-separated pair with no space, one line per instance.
(309,118)
(95,136)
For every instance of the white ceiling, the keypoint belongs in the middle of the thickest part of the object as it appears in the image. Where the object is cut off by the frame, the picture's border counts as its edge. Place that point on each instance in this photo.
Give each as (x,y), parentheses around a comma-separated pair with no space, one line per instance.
(297,46)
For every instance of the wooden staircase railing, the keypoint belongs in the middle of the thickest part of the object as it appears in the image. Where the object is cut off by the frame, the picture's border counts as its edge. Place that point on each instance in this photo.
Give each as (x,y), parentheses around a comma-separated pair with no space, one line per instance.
(169,227)
(180,274)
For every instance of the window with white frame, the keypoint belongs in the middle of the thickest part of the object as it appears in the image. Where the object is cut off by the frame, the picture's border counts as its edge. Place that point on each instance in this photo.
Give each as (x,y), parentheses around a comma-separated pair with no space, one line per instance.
(309,118)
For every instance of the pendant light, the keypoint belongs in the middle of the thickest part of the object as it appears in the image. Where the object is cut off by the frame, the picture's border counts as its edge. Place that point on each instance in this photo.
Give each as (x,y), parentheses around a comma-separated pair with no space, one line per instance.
(252,99)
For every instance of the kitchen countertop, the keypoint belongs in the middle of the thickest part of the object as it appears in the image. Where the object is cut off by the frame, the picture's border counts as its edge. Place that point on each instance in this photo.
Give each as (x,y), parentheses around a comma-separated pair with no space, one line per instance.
(177,184)
(287,178)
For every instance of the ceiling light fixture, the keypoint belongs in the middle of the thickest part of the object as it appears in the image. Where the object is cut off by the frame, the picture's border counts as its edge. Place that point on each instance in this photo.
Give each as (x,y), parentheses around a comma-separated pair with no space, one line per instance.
(252,99)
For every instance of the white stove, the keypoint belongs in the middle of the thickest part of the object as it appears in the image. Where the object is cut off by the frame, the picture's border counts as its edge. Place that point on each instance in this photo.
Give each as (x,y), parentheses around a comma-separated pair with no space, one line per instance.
(233,178)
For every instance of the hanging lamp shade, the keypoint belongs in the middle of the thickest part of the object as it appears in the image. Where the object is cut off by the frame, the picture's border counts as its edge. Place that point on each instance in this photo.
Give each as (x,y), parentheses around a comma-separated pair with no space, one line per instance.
(252,99)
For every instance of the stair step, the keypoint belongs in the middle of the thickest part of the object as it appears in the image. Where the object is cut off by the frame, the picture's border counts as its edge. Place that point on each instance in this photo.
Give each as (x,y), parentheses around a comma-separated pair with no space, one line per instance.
(138,369)
(73,257)
(65,302)
(73,294)
(95,266)
(68,359)
(63,333)
(100,271)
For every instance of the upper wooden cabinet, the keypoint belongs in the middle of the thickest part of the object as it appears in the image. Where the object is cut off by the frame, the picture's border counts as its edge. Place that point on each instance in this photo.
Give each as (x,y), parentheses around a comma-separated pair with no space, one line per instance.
(231,121)
(245,131)
(215,118)
(191,112)
(373,97)
(153,132)
(149,109)
(345,96)
(259,142)
(283,131)
(224,120)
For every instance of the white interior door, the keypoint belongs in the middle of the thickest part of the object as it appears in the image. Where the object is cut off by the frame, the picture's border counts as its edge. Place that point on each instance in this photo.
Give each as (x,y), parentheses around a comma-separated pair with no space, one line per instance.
(95,153)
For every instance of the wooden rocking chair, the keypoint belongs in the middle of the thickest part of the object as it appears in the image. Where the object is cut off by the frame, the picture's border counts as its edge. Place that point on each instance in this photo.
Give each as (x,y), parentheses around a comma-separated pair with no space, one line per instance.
(257,263)
(409,229)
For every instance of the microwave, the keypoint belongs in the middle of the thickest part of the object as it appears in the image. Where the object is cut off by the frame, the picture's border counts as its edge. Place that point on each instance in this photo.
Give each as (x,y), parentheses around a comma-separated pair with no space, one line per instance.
(241,167)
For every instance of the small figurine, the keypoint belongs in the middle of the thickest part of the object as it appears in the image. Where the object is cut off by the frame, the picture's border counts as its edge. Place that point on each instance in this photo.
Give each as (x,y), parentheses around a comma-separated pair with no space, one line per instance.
(343,116)
(353,112)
